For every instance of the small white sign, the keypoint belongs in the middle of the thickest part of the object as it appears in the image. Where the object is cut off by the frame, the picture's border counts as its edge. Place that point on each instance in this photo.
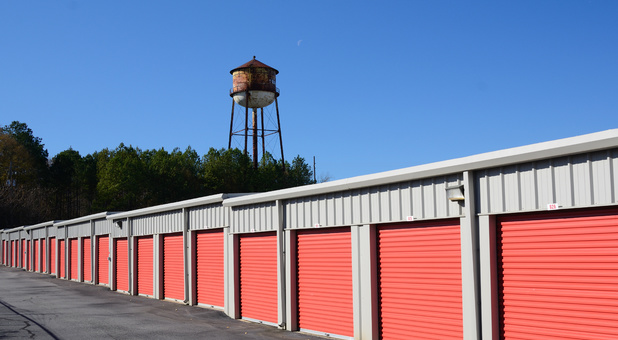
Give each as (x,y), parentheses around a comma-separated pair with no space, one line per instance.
(252,230)
(410,218)
(553,206)
(317,225)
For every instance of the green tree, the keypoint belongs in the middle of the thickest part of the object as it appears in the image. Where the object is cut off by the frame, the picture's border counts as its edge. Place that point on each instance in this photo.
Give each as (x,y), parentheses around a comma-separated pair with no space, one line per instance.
(73,180)
(121,181)
(226,171)
(172,176)
(34,145)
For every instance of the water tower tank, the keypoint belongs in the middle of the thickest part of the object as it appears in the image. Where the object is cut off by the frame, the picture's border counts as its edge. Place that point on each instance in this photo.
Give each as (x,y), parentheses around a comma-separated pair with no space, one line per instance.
(259,80)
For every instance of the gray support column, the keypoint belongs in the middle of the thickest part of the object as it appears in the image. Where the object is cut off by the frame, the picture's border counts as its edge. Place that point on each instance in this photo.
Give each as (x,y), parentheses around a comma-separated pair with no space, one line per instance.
(133,267)
(291,282)
(48,251)
(365,282)
(80,259)
(192,268)
(232,279)
(158,270)
(281,264)
(130,253)
(187,253)
(110,258)
(489,277)
(469,262)
(93,261)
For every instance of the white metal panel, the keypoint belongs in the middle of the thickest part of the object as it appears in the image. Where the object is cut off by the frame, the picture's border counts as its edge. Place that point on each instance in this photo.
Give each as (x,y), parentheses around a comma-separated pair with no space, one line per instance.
(379,204)
(209,216)
(527,184)
(575,181)
(253,218)
(164,222)
(78,230)
(102,227)
(38,233)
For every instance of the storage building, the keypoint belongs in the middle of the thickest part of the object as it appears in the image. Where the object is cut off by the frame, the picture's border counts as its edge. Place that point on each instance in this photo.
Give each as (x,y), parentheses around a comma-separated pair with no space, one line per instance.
(512,244)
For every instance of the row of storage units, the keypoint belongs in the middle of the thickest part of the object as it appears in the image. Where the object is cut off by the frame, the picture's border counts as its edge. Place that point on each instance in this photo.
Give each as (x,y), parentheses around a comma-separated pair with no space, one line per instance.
(514,244)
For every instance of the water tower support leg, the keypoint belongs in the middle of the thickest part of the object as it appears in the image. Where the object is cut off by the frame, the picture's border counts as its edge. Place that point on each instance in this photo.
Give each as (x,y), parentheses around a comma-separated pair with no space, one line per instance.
(255,139)
(246,119)
(229,144)
(263,145)
(279,130)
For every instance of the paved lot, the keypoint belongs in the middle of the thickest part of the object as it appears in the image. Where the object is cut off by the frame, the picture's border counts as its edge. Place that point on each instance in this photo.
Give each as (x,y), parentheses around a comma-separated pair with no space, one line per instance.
(37,306)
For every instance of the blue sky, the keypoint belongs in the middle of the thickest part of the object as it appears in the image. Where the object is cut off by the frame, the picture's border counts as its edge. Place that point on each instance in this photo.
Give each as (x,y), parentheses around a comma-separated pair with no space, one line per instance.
(366,86)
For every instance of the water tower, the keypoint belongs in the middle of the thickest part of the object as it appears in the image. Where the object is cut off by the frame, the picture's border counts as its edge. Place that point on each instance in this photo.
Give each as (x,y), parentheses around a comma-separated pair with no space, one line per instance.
(255,88)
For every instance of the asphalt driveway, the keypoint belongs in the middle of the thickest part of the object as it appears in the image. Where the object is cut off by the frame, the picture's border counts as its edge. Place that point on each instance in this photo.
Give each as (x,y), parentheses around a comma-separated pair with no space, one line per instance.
(37,306)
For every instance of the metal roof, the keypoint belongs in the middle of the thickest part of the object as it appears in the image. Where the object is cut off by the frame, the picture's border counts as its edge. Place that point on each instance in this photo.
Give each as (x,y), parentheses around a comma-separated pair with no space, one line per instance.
(41,225)
(218,198)
(85,218)
(253,63)
(561,147)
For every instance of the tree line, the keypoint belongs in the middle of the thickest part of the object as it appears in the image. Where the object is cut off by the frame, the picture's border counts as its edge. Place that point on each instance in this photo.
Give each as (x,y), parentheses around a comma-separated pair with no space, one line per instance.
(35,188)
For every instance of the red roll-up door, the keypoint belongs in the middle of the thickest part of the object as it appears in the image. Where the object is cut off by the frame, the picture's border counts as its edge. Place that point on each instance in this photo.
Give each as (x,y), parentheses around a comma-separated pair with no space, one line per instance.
(559,275)
(86,259)
(324,268)
(173,267)
(43,256)
(103,260)
(35,255)
(121,256)
(61,259)
(419,278)
(210,268)
(145,265)
(73,259)
(258,277)
(52,255)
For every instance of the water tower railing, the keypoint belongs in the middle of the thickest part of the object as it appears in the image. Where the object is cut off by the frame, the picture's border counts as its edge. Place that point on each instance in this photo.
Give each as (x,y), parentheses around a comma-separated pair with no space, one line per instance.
(258,87)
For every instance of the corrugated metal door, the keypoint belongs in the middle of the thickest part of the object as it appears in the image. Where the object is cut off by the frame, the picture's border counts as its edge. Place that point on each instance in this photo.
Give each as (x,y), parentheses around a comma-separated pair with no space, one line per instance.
(559,275)
(121,264)
(420,281)
(61,259)
(15,253)
(324,267)
(43,256)
(258,277)
(73,259)
(52,255)
(173,267)
(145,259)
(86,259)
(210,268)
(103,260)
(35,255)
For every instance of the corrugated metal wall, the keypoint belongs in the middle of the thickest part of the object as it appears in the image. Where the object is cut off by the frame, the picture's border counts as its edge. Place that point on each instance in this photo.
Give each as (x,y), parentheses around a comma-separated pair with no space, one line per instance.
(38,233)
(576,181)
(422,199)
(102,227)
(51,231)
(254,218)
(210,216)
(165,222)
(78,230)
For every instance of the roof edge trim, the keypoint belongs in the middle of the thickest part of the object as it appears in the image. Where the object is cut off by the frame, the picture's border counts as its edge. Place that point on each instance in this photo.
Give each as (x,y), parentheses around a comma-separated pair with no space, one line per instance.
(555,148)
